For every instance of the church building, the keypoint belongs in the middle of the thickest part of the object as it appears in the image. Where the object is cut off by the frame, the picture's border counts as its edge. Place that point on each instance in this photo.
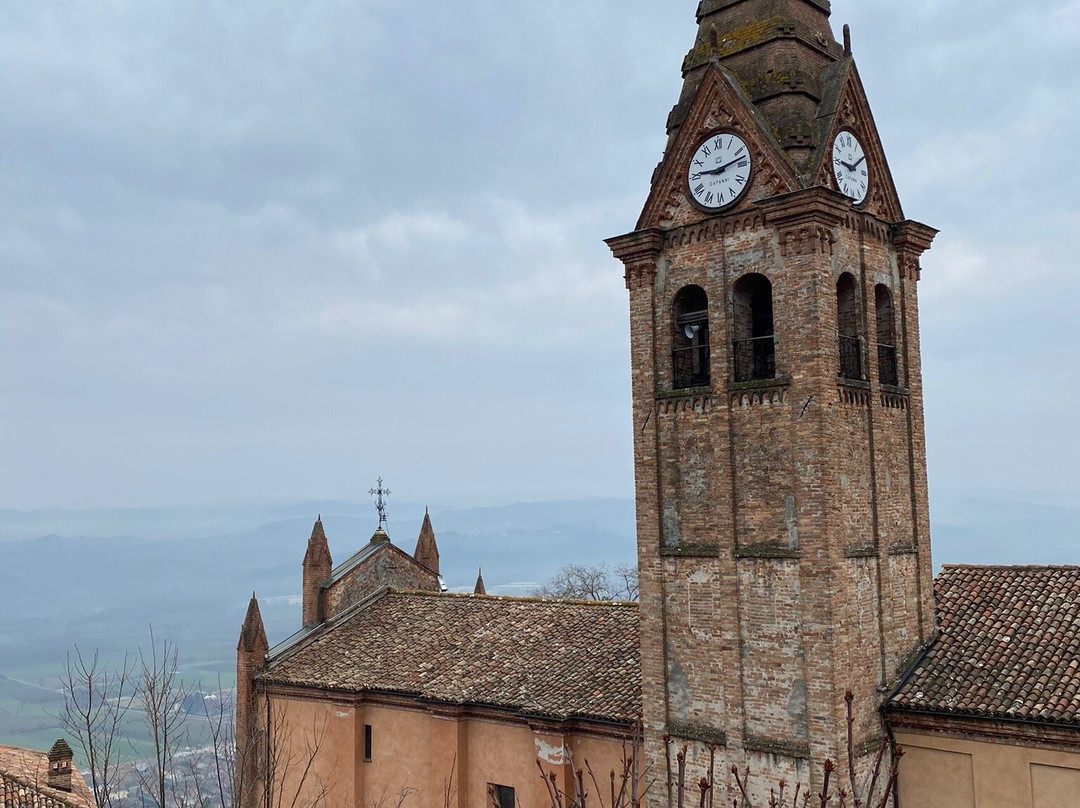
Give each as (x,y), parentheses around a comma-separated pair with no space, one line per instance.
(782,517)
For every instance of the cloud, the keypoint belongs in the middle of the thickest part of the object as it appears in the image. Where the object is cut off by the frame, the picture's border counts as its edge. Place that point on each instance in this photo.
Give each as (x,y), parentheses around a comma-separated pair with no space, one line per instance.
(254,246)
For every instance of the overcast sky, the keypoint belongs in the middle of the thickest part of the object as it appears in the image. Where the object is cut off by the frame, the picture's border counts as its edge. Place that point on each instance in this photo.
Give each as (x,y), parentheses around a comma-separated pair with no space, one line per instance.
(260,250)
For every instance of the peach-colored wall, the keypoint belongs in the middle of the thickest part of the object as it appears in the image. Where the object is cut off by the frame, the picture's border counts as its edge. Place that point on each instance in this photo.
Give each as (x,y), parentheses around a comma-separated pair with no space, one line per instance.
(939,772)
(321,734)
(427,756)
(400,757)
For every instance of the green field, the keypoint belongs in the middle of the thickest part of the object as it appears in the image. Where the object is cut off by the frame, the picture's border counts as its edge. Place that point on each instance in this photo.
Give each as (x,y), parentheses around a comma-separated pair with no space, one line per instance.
(30,706)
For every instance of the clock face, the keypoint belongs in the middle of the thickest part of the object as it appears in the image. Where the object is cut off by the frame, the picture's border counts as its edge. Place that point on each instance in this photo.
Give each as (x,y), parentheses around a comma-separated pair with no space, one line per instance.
(849,167)
(719,171)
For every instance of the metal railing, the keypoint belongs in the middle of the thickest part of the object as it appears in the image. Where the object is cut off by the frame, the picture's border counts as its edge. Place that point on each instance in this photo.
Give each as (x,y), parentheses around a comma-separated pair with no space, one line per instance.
(691,366)
(755,359)
(851,358)
(888,372)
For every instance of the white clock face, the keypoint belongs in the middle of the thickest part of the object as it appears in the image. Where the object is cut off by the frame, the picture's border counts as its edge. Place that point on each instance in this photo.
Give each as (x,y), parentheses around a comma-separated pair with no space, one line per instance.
(719,171)
(849,167)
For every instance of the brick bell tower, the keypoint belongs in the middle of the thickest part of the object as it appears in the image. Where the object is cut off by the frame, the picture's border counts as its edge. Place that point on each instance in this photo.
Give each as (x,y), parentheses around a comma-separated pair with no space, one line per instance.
(783,528)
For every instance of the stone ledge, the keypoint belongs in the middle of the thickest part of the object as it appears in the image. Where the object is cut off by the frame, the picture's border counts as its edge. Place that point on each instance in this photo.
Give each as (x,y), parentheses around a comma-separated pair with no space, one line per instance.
(793,749)
(696,732)
(903,549)
(759,384)
(856,384)
(691,551)
(767,550)
(684,392)
(860,551)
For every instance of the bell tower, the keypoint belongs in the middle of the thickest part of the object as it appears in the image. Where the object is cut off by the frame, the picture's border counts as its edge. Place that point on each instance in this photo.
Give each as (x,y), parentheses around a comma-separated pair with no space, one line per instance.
(782,520)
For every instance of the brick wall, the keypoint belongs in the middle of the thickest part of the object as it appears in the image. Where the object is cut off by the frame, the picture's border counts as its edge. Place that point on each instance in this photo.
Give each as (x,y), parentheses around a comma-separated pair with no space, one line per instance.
(782,536)
(388,566)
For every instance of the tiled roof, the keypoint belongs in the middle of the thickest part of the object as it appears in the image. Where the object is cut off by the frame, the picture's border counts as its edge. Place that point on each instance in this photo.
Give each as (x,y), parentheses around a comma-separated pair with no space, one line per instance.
(560,659)
(23,778)
(1008,647)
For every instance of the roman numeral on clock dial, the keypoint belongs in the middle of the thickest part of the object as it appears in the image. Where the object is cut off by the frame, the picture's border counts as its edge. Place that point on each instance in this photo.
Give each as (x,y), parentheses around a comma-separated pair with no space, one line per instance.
(849,167)
(720,171)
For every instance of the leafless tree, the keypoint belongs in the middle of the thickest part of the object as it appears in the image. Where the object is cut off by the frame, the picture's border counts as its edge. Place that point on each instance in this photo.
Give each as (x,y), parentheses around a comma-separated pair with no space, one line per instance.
(386,799)
(627,789)
(97,699)
(581,582)
(282,767)
(219,757)
(161,697)
(627,577)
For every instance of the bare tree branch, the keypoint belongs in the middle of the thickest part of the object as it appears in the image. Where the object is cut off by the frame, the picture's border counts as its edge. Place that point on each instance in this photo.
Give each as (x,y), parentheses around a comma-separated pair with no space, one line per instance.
(96,701)
(582,582)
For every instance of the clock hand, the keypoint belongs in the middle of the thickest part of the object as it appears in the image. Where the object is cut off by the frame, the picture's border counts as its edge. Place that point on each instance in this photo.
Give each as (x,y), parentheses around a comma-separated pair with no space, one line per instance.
(849,166)
(712,171)
(724,168)
(857,164)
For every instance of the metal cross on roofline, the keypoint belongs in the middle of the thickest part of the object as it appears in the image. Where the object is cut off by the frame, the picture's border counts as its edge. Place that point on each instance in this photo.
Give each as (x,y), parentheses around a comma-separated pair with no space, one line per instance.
(380,495)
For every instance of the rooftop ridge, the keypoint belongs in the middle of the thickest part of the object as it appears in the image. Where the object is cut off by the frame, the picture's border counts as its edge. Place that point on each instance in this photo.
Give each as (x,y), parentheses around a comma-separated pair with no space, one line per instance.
(1016,567)
(514,598)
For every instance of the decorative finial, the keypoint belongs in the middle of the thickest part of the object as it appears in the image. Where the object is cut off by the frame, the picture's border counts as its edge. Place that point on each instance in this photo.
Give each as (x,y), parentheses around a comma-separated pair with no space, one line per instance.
(847,40)
(380,495)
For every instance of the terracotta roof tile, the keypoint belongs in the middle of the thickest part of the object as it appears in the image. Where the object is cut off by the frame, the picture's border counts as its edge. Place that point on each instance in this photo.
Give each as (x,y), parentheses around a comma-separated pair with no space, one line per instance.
(24,772)
(561,659)
(1008,646)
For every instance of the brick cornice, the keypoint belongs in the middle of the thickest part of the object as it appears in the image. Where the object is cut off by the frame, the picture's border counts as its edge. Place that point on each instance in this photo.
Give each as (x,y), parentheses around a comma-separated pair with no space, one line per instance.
(986,730)
(816,205)
(639,252)
(446,710)
(911,240)
(807,220)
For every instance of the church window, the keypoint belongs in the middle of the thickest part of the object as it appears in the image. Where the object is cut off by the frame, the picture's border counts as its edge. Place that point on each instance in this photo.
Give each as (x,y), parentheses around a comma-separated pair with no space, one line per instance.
(847,326)
(755,341)
(367,741)
(690,351)
(502,796)
(888,371)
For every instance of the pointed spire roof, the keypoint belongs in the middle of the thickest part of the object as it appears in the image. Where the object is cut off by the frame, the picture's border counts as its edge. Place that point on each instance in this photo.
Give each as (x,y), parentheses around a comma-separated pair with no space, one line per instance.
(427,551)
(480,589)
(777,49)
(253,633)
(318,551)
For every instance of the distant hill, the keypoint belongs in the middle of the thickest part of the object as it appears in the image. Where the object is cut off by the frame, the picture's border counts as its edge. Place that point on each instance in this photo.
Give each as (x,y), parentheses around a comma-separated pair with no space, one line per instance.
(190,572)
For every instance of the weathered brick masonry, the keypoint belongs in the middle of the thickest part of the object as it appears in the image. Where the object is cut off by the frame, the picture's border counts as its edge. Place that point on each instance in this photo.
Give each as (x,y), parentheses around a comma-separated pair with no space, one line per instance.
(782,519)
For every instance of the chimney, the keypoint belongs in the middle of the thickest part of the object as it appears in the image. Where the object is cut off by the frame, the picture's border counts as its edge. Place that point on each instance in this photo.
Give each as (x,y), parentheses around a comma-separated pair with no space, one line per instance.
(317,568)
(60,766)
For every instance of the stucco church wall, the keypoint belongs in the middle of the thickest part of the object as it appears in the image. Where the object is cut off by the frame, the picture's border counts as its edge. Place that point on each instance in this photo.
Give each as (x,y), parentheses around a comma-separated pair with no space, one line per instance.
(299,726)
(422,754)
(942,772)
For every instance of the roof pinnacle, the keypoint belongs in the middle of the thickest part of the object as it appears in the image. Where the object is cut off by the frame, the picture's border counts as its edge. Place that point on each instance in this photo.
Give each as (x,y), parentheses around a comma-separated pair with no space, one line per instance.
(427,550)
